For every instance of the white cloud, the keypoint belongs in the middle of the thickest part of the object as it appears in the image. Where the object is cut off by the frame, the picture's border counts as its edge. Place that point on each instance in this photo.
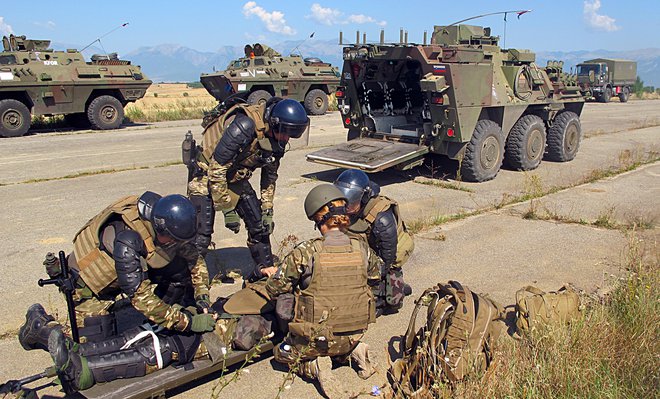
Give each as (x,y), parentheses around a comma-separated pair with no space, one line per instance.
(5,28)
(596,20)
(274,21)
(332,16)
(48,25)
(326,16)
(364,19)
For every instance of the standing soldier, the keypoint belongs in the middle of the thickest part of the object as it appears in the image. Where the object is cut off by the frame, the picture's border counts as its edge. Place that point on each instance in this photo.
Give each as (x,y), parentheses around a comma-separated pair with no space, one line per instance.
(138,247)
(328,279)
(376,219)
(234,144)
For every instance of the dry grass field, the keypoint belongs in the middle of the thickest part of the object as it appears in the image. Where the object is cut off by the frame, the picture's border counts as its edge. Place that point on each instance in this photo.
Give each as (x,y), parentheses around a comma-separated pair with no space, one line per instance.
(170,101)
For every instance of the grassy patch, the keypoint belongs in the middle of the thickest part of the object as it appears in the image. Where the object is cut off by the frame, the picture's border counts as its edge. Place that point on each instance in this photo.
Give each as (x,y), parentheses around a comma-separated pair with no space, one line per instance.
(533,189)
(178,109)
(92,173)
(442,184)
(611,353)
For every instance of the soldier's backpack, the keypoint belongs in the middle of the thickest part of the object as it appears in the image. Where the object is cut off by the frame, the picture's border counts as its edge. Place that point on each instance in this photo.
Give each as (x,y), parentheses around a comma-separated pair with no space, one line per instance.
(456,339)
(535,307)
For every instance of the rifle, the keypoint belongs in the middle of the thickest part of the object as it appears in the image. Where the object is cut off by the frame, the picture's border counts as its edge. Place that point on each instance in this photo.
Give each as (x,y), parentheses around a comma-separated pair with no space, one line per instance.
(67,285)
(16,386)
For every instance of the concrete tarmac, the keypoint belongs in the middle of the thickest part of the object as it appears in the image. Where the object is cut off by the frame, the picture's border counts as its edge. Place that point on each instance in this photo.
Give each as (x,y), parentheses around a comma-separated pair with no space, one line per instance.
(496,252)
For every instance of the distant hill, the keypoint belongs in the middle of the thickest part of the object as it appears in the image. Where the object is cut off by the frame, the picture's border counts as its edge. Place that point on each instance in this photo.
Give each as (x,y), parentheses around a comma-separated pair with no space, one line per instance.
(176,63)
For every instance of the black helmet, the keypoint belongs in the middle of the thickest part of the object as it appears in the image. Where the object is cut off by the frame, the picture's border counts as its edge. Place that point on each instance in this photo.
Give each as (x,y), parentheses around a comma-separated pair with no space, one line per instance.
(175,216)
(287,117)
(355,185)
(320,196)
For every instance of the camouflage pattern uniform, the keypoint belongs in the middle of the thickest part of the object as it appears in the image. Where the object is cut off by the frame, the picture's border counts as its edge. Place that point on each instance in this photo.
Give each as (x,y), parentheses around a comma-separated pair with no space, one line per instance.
(159,297)
(227,183)
(296,271)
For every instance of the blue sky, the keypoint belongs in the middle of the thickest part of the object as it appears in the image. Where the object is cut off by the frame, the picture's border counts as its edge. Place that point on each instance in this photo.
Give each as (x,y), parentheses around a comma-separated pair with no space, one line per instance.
(208,25)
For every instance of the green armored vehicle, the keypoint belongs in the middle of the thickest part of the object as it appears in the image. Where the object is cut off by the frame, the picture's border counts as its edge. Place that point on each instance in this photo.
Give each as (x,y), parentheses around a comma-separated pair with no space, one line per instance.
(35,80)
(461,96)
(264,73)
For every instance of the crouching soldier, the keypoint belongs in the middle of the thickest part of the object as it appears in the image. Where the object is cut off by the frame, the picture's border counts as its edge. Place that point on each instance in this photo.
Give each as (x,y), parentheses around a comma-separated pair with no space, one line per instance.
(322,289)
(236,143)
(138,247)
(376,219)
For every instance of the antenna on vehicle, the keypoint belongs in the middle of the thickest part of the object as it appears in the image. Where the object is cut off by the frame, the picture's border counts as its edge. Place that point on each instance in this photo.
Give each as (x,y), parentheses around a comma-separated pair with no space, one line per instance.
(101,37)
(301,43)
(519,12)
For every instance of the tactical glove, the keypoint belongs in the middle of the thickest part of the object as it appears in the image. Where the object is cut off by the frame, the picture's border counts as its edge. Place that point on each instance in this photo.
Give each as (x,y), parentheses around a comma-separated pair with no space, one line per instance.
(203,302)
(267,220)
(202,323)
(232,221)
(52,264)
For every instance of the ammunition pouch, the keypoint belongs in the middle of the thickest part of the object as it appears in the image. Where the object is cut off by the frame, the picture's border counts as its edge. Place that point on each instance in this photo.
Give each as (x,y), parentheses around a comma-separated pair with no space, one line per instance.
(284,310)
(99,328)
(176,293)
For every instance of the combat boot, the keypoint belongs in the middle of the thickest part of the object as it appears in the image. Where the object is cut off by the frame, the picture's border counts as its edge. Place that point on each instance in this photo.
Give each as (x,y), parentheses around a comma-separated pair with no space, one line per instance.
(320,369)
(360,355)
(38,326)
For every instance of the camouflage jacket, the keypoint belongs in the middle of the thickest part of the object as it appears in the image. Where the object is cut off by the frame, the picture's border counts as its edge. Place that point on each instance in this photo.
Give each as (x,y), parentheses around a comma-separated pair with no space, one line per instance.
(298,266)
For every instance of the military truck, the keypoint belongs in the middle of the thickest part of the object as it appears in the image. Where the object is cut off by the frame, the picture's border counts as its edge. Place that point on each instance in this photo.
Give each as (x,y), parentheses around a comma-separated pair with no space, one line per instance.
(460,96)
(603,78)
(264,73)
(36,80)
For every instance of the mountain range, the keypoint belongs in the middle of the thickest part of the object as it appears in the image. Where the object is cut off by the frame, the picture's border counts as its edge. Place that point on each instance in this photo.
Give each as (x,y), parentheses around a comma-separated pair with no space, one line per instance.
(176,63)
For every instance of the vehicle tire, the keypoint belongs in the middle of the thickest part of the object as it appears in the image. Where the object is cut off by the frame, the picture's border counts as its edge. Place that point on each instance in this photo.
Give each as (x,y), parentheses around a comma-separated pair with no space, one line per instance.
(526,143)
(105,113)
(484,153)
(624,95)
(258,97)
(563,137)
(78,120)
(606,96)
(15,118)
(316,102)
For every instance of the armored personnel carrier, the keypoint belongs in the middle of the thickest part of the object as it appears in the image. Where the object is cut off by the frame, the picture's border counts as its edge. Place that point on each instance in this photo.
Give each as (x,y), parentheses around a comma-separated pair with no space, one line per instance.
(460,96)
(264,73)
(35,80)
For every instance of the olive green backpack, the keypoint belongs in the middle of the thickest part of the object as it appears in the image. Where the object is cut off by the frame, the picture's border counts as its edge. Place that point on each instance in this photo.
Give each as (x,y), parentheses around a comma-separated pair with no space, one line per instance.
(457,339)
(535,307)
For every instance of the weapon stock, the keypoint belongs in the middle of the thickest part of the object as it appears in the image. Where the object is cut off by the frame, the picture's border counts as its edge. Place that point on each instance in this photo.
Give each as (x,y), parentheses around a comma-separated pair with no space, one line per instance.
(65,282)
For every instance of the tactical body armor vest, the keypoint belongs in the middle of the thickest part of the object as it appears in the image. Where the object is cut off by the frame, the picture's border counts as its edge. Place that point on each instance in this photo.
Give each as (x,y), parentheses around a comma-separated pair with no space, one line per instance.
(255,155)
(338,294)
(97,268)
(362,227)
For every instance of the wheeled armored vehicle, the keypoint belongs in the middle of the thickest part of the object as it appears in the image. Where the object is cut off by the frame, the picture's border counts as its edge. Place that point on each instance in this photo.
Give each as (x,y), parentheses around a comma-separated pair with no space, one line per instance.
(38,81)
(461,96)
(264,73)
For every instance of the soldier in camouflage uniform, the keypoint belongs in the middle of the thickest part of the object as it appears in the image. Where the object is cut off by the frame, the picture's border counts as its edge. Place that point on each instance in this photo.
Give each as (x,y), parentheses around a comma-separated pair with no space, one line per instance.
(235,143)
(325,282)
(137,247)
(376,219)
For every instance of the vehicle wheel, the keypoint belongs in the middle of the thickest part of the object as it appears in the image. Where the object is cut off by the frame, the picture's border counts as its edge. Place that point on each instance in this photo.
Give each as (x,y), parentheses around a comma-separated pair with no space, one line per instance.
(14,118)
(353,134)
(316,102)
(484,153)
(564,137)
(78,120)
(623,96)
(258,97)
(606,96)
(105,113)
(526,143)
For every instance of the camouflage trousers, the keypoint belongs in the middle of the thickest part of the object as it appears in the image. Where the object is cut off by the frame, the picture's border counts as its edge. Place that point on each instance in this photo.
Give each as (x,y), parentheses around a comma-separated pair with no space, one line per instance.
(299,349)
(394,287)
